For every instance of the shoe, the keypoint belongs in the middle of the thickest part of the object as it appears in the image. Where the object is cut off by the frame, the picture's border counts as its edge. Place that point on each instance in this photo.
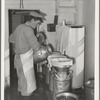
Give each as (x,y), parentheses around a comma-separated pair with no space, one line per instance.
(26,98)
(36,93)
(41,90)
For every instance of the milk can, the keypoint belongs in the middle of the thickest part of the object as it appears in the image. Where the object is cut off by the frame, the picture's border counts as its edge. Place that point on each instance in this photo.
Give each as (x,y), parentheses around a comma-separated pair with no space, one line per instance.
(62,75)
(62,81)
(51,71)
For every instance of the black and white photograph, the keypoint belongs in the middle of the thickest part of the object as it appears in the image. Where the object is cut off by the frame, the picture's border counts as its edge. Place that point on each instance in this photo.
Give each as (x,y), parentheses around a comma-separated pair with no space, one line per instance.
(50,50)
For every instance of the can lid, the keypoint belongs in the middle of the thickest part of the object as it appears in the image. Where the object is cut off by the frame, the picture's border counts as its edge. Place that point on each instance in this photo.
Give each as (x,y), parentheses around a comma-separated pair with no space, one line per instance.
(62,62)
(58,60)
(53,55)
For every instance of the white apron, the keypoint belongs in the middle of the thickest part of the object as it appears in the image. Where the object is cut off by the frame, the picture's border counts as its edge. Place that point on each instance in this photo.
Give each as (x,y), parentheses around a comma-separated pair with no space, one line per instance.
(28,69)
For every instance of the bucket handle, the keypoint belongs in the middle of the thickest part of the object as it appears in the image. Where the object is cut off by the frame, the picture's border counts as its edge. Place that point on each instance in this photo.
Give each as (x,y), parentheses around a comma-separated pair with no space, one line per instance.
(55,74)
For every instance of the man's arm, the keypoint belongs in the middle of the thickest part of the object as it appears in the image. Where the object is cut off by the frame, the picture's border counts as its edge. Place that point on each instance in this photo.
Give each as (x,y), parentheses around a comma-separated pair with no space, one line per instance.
(12,38)
(32,40)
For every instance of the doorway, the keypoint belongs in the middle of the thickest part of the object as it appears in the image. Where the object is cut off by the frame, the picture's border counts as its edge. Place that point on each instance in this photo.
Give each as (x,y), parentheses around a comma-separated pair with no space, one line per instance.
(16,17)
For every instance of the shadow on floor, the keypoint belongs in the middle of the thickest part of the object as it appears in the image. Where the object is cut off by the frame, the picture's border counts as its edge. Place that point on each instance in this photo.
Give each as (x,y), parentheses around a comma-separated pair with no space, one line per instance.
(12,94)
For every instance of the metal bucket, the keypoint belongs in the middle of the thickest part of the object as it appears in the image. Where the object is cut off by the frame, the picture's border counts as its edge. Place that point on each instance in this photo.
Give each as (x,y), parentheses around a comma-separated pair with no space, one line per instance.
(89,89)
(66,96)
(62,84)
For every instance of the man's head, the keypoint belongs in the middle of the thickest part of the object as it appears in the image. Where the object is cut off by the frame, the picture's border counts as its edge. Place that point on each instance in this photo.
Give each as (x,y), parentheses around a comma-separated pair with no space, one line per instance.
(35,19)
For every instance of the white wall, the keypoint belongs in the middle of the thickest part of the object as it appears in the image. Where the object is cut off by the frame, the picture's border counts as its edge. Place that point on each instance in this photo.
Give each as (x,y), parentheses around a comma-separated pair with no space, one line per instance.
(79,12)
(89,22)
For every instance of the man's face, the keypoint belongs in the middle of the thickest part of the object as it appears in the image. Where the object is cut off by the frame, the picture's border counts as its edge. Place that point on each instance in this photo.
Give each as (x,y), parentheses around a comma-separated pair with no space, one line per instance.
(36,23)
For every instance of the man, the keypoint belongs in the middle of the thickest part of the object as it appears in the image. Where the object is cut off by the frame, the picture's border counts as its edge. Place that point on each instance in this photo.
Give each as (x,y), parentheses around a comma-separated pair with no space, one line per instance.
(25,44)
